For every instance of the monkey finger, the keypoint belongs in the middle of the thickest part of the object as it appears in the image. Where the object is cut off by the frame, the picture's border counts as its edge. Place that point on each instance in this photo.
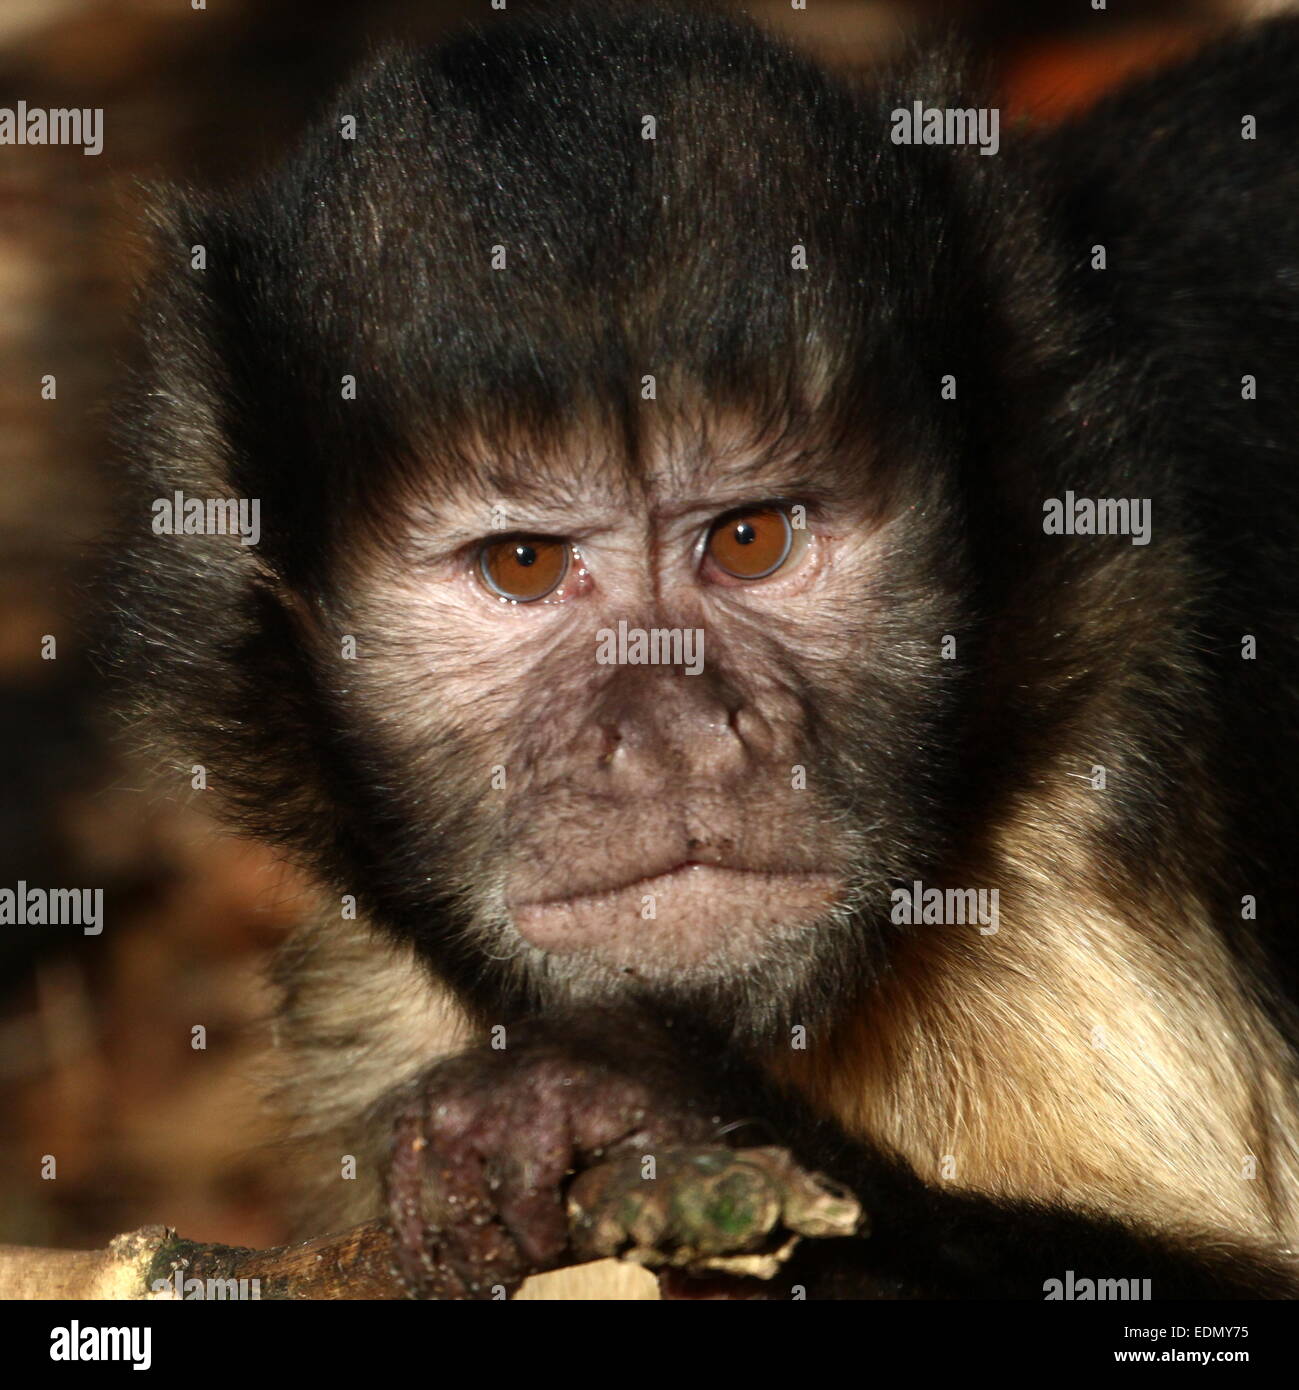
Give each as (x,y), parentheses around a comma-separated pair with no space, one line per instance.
(448,1241)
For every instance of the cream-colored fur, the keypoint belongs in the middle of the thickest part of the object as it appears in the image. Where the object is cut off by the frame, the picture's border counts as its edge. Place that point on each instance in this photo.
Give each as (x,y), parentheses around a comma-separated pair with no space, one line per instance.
(1112,1059)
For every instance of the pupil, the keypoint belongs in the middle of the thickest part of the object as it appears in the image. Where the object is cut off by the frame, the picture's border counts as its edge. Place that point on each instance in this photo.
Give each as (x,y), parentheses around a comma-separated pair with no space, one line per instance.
(745,533)
(525,555)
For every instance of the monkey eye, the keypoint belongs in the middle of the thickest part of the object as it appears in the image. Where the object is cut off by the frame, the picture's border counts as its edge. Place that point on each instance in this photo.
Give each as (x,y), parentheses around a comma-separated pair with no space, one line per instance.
(751,544)
(522,568)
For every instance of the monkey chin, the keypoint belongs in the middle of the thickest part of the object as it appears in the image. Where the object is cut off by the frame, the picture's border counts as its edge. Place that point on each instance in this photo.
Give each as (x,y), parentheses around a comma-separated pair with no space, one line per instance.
(692,917)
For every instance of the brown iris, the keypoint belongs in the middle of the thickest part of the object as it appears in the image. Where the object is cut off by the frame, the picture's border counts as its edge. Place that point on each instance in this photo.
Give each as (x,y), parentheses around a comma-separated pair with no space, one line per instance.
(751,544)
(523,568)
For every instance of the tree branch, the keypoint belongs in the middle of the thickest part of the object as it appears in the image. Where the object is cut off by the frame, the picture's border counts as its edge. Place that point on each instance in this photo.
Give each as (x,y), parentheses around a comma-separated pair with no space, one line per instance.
(727,1212)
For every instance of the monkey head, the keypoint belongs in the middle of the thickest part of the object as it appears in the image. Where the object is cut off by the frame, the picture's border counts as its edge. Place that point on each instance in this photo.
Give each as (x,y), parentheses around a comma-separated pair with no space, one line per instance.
(611,516)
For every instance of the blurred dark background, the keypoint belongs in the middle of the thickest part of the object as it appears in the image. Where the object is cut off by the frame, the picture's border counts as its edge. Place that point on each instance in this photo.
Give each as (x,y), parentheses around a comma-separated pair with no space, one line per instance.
(96,1066)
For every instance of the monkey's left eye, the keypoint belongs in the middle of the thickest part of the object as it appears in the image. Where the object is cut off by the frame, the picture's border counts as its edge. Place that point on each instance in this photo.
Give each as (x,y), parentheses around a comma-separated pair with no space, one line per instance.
(751,544)
(523,568)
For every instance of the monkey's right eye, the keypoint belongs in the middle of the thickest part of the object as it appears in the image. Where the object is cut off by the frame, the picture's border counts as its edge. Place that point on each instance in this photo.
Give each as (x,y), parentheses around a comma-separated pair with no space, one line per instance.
(522,568)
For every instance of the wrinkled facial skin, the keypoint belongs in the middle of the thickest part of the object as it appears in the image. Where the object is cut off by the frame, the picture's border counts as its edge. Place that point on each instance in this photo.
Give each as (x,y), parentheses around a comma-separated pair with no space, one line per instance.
(714,840)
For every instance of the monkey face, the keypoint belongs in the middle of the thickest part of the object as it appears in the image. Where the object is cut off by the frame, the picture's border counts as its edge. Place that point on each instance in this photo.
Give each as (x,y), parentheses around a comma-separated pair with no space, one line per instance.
(655,684)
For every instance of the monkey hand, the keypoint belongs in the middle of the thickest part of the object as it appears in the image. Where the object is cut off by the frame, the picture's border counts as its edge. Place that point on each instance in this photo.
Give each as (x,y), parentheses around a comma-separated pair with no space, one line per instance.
(485,1142)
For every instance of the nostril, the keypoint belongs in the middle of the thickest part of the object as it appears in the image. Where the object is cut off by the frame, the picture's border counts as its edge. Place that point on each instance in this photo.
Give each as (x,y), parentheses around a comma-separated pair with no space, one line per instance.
(611,738)
(709,849)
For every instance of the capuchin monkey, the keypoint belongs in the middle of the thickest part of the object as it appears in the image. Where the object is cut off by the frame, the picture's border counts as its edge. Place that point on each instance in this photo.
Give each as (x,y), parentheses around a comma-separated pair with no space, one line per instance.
(783,628)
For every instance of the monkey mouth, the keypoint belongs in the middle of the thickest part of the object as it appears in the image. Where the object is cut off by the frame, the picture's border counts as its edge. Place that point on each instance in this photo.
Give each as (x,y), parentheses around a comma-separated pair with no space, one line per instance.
(689,914)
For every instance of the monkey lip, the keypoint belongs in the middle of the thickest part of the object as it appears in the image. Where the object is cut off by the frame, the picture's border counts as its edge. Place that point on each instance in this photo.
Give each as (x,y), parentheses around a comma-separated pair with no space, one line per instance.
(686,914)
